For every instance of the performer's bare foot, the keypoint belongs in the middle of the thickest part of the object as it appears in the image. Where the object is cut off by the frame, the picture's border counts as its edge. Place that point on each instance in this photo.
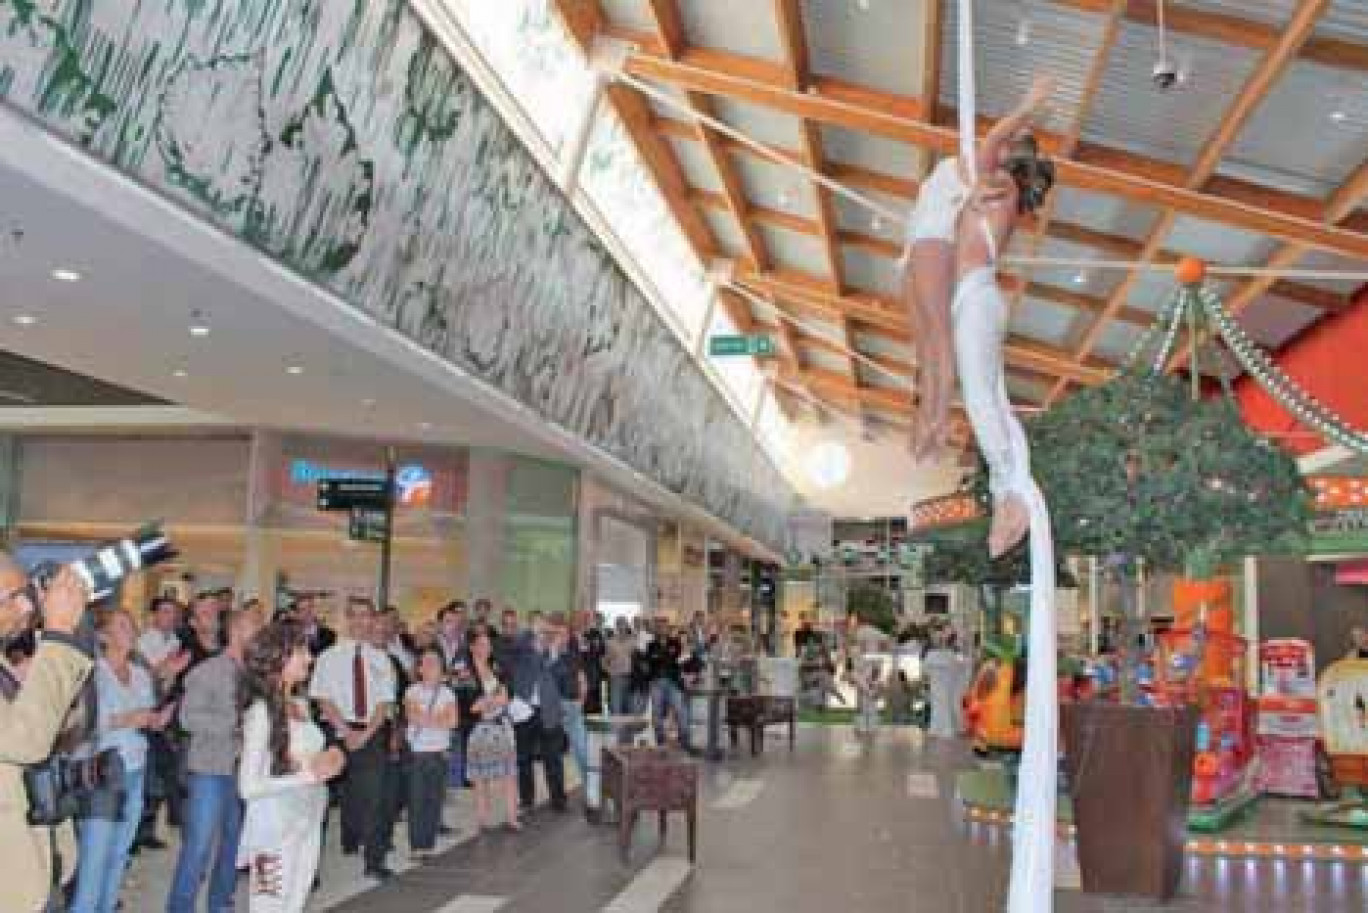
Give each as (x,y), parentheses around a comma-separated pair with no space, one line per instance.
(1010,522)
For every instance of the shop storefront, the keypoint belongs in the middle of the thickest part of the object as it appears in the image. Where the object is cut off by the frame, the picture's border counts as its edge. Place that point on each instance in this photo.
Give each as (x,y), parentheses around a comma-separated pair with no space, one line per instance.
(242,511)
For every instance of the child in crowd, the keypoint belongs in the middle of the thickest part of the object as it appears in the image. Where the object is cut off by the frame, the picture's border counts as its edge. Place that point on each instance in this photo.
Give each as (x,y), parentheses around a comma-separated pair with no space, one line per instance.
(432,717)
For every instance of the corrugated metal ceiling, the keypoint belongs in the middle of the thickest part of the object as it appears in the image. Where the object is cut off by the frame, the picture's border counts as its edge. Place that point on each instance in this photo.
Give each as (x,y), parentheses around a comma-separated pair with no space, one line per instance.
(880,46)
(743,28)
(1061,42)
(1132,114)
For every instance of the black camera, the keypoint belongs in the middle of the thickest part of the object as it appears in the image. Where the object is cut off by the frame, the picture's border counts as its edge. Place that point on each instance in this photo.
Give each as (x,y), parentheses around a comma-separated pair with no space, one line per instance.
(103,568)
(63,787)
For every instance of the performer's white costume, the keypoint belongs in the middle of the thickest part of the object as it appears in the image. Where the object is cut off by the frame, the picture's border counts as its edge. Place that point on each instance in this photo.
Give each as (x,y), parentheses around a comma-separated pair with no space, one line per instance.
(979,314)
(939,202)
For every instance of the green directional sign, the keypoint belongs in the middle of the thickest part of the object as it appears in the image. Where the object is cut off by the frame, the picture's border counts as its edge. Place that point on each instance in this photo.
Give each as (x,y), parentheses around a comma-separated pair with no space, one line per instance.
(746,344)
(367,525)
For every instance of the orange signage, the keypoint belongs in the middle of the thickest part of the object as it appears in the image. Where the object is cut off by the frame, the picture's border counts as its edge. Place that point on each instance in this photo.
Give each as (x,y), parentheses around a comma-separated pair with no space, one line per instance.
(1338,492)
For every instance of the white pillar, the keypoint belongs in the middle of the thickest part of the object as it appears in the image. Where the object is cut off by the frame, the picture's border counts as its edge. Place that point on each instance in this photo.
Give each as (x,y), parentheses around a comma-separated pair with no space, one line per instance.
(260,548)
(1094,605)
(486,513)
(1249,623)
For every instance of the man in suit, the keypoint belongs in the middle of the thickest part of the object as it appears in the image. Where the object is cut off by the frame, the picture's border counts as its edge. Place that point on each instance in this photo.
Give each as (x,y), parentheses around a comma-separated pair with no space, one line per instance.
(540,737)
(30,724)
(319,636)
(452,639)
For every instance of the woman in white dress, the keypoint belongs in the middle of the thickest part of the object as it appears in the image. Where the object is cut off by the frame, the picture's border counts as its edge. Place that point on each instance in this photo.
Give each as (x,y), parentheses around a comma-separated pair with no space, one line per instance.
(285,765)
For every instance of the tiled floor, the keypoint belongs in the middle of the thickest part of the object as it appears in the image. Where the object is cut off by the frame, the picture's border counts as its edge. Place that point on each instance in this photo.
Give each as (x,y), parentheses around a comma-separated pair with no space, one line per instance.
(837,825)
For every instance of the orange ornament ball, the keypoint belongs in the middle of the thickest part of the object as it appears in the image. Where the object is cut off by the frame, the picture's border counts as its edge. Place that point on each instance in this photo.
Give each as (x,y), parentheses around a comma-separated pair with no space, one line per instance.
(1191,271)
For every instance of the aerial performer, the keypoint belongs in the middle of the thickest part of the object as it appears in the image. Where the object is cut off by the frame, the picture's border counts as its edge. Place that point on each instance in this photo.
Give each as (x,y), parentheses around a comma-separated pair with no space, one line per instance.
(965,216)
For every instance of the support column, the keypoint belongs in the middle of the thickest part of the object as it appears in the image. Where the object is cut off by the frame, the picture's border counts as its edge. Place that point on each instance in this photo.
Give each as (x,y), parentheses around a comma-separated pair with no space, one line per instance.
(260,546)
(1249,622)
(485,526)
(9,488)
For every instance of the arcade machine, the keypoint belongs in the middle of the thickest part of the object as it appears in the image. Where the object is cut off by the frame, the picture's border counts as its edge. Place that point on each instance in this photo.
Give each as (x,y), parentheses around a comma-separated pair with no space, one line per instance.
(1288,724)
(1203,663)
(1343,763)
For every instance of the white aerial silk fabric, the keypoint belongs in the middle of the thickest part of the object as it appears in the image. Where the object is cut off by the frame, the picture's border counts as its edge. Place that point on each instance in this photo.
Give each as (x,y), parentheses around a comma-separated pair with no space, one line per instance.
(979,317)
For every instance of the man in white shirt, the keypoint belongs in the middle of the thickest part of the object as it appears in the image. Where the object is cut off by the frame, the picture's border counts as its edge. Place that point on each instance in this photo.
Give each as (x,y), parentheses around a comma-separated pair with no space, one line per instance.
(353,683)
(160,647)
(158,641)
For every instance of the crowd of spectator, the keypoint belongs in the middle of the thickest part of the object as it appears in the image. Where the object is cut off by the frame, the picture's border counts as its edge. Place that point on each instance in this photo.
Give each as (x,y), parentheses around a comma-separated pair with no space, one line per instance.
(253,734)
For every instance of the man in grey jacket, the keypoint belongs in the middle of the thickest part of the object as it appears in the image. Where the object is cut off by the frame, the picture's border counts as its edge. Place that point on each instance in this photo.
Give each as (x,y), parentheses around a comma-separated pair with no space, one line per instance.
(210,712)
(527,663)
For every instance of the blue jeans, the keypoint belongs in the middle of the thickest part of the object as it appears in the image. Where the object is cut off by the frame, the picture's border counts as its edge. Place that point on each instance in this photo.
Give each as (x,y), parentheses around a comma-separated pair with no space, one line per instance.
(104,846)
(666,695)
(213,821)
(572,721)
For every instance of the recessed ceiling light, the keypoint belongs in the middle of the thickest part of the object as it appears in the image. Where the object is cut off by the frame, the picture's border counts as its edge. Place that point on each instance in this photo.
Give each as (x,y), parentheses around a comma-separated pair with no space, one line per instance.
(199,330)
(25,320)
(1023,33)
(294,369)
(180,372)
(862,5)
(1338,116)
(66,275)
(368,402)
(1080,278)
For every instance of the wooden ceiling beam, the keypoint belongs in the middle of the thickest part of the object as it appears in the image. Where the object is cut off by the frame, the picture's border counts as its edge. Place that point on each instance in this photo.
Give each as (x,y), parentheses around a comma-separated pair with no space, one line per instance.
(931,55)
(668,26)
(1232,30)
(1136,179)
(792,287)
(661,161)
(1110,32)
(789,16)
(1348,197)
(1252,94)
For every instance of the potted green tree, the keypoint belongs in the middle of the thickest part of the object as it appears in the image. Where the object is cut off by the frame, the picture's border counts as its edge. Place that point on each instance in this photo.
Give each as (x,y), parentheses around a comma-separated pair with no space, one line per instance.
(1142,474)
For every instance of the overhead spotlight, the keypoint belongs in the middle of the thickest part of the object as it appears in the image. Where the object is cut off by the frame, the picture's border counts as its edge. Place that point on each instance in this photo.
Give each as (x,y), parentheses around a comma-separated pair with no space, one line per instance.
(199,327)
(180,373)
(1080,277)
(66,275)
(1023,32)
(1338,116)
(24,320)
(296,370)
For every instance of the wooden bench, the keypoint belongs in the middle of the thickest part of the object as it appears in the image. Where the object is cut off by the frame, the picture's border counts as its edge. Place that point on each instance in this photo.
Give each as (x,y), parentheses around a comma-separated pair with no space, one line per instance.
(639,780)
(755,712)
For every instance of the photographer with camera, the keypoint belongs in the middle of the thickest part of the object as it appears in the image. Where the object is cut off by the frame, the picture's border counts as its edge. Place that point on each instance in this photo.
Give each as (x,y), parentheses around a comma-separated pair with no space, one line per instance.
(35,858)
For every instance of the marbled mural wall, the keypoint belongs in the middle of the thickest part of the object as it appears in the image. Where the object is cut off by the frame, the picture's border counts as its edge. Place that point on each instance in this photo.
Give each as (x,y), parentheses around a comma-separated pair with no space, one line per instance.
(340,138)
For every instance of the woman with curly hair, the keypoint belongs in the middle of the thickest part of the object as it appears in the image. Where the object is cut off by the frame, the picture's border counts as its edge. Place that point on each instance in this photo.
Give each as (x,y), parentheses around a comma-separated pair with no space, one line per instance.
(284,768)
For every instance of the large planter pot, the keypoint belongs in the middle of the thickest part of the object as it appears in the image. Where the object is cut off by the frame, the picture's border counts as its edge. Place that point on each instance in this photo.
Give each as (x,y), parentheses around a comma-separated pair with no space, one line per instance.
(1130,773)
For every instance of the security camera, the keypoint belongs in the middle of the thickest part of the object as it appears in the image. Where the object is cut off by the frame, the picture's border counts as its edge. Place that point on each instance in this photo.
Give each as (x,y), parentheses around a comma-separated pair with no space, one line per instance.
(1165,74)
